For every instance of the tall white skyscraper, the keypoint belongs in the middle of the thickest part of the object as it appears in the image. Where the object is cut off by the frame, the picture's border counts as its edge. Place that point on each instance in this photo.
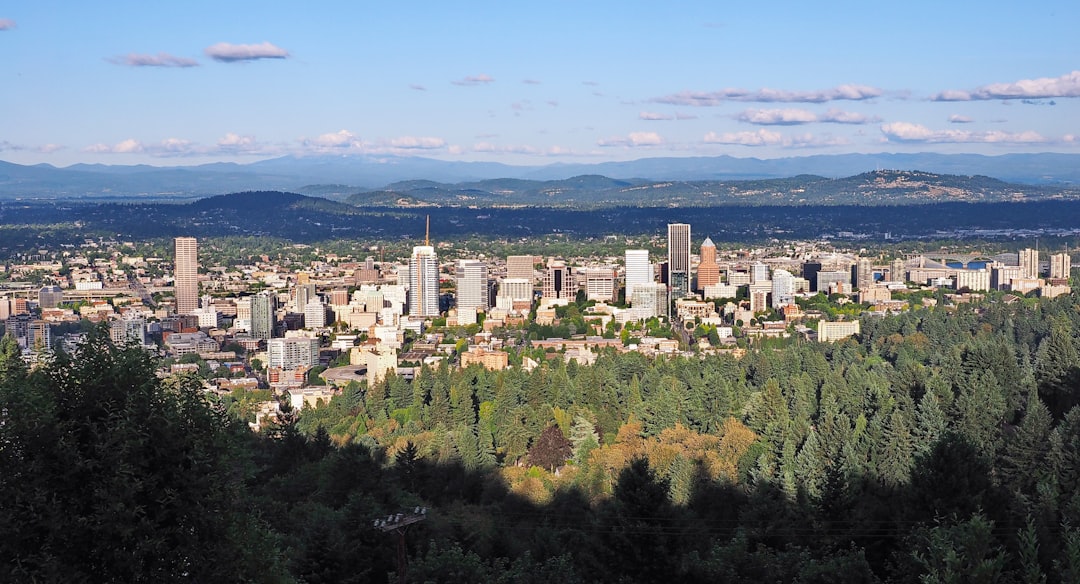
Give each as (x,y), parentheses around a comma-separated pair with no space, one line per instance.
(472,289)
(679,259)
(783,288)
(186,275)
(759,272)
(638,270)
(423,282)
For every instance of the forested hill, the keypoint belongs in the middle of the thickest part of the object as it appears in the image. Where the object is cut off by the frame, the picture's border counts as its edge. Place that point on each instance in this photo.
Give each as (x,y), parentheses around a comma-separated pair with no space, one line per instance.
(309,219)
(883,187)
(939,445)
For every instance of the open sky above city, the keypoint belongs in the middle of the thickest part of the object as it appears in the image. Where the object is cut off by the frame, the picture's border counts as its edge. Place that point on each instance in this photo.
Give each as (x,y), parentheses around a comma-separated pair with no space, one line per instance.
(178,83)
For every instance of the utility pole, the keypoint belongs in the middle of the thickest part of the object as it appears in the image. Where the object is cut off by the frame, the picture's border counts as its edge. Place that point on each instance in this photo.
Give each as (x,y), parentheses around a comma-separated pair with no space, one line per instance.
(399,523)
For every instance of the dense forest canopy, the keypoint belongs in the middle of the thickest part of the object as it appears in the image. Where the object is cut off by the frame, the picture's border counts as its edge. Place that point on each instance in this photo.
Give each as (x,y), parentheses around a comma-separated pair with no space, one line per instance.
(939,445)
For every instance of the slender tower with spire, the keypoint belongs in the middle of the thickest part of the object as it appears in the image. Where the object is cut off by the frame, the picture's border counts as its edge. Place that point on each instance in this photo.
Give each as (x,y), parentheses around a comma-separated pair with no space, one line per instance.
(424,278)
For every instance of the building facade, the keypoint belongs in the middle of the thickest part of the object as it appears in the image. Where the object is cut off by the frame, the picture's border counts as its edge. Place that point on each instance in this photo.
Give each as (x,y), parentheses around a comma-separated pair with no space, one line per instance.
(186,275)
(423,282)
(679,259)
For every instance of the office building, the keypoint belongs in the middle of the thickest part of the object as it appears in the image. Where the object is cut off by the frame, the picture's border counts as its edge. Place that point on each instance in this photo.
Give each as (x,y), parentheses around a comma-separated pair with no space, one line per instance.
(315,314)
(638,270)
(263,315)
(810,271)
(834,331)
(423,282)
(973,280)
(1029,263)
(472,285)
(1060,265)
(303,294)
(708,272)
(186,275)
(650,300)
(521,267)
(679,259)
(292,353)
(898,270)
(50,296)
(863,274)
(128,330)
(600,284)
(558,281)
(759,272)
(840,280)
(783,288)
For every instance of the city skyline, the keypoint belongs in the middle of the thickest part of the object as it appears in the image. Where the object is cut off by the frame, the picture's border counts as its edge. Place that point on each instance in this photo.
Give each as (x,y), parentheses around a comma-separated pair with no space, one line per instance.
(186,84)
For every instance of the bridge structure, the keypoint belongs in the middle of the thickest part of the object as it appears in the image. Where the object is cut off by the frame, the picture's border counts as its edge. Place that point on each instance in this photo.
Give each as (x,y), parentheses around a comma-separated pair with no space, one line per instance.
(962,258)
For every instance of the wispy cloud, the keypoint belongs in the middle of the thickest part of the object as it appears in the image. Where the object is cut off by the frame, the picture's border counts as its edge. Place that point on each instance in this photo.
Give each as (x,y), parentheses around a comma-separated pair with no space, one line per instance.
(417,143)
(6,24)
(473,80)
(959,119)
(916,133)
(796,116)
(8,146)
(50,148)
(766,95)
(765,137)
(530,81)
(1067,85)
(632,140)
(158,60)
(654,116)
(417,87)
(230,53)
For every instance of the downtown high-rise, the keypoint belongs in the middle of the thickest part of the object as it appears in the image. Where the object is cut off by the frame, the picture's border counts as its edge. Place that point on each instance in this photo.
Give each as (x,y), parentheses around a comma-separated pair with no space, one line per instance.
(423,282)
(186,275)
(679,259)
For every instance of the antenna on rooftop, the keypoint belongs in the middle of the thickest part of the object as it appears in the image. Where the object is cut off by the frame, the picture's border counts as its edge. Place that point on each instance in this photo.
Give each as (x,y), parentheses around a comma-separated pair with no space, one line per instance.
(427,231)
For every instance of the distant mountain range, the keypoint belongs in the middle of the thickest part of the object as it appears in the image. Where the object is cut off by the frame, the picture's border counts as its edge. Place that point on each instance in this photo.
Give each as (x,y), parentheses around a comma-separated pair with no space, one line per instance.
(341,176)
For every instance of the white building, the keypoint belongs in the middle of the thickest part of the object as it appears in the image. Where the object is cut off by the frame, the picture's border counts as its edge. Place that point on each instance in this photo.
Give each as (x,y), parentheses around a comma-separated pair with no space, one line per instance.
(638,270)
(472,290)
(292,352)
(423,282)
(783,288)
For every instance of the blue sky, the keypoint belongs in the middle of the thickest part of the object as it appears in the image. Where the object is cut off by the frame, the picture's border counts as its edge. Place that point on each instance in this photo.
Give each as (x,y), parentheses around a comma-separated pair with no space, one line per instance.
(177,83)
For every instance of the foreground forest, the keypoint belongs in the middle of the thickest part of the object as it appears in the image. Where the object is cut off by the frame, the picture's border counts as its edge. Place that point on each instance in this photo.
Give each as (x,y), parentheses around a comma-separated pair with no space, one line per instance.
(940,445)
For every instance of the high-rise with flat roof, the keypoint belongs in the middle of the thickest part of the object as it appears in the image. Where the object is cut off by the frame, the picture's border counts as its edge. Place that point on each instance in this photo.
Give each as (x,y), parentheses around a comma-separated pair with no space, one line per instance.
(638,270)
(558,281)
(472,291)
(1029,263)
(263,315)
(679,259)
(186,275)
(1060,265)
(521,266)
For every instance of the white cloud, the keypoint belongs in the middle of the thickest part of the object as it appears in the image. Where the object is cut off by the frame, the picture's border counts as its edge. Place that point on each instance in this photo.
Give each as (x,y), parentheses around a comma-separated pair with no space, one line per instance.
(50,148)
(766,95)
(759,138)
(128,146)
(908,132)
(230,53)
(835,116)
(158,60)
(654,116)
(417,143)
(632,140)
(959,119)
(339,139)
(765,137)
(796,116)
(1067,85)
(782,117)
(6,24)
(471,80)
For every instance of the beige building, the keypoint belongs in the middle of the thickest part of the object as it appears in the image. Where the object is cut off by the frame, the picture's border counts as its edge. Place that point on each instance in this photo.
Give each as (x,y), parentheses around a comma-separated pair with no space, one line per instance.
(186,275)
(493,360)
(834,331)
